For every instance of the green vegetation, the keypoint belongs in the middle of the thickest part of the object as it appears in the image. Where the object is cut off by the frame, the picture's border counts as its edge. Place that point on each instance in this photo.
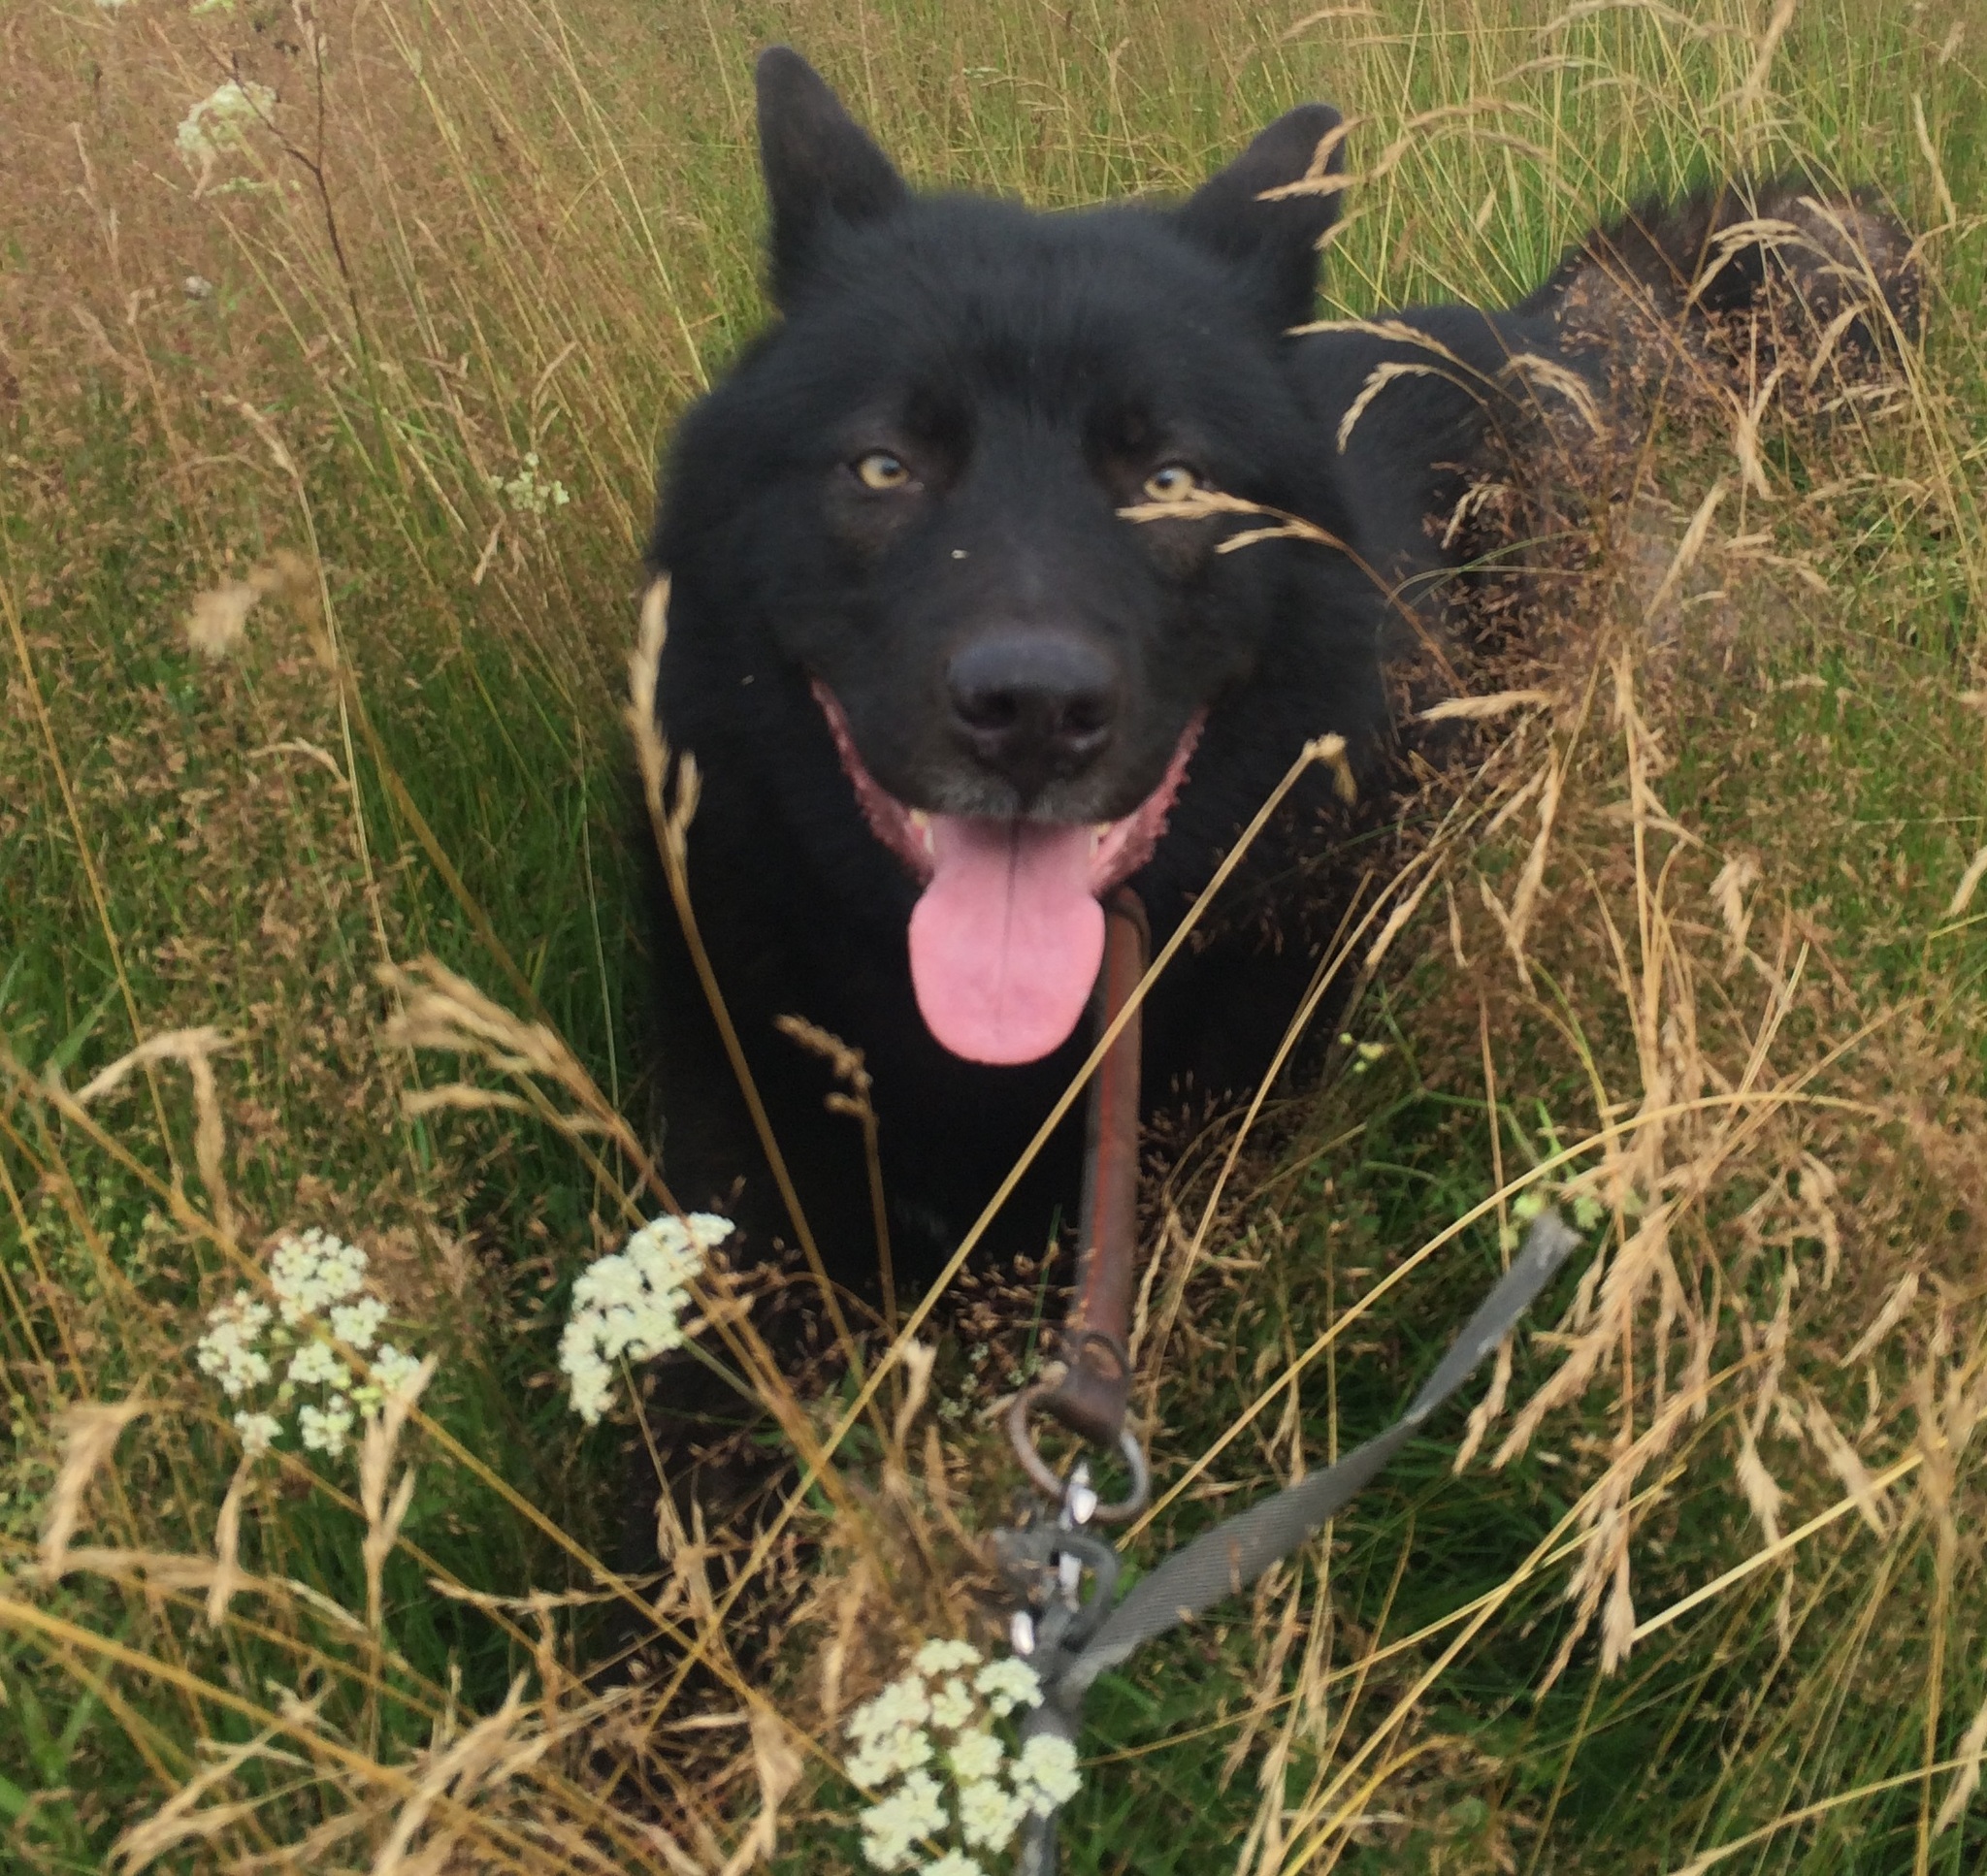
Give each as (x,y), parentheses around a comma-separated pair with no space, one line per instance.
(375,372)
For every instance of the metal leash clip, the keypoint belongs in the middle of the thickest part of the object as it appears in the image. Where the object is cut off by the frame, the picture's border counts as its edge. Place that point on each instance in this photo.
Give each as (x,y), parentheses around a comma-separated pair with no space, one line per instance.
(1090,1394)
(1044,1563)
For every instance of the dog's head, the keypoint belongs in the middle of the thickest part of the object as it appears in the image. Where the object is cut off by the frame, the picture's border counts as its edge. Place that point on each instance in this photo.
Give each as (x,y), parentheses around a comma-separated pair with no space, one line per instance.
(975,488)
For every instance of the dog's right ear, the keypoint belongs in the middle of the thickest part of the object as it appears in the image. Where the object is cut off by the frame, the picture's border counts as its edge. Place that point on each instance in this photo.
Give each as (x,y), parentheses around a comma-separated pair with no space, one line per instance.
(1299,164)
(820,165)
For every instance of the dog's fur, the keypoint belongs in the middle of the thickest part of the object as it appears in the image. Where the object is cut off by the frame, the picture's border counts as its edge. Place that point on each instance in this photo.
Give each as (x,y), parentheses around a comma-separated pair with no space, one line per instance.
(1035,377)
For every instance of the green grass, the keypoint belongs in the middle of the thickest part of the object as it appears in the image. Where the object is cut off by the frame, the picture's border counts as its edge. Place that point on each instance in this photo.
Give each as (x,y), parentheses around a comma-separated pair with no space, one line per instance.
(534,230)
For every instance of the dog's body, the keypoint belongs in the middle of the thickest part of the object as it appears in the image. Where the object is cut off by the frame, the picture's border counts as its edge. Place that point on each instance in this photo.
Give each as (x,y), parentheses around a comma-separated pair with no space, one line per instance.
(950,669)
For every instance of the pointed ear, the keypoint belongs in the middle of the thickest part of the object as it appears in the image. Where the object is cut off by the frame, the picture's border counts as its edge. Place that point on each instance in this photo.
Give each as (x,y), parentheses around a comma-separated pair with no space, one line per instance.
(820,167)
(1275,242)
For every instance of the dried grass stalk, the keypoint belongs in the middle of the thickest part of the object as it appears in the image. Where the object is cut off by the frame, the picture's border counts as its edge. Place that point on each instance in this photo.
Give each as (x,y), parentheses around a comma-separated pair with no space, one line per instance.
(1970,884)
(1967,1780)
(1480,709)
(777,1766)
(182,1820)
(456,1769)
(384,1516)
(228,1576)
(89,1433)
(196,1048)
(1896,1304)
(1687,551)
(1735,878)
(1846,1463)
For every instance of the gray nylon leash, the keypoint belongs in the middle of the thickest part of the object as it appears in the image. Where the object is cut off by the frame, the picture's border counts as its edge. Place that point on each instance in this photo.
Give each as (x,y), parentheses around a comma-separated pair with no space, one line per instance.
(1077,1642)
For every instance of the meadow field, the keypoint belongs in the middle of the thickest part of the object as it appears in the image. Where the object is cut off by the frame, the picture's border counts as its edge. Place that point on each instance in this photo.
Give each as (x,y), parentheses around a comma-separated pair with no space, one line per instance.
(337,345)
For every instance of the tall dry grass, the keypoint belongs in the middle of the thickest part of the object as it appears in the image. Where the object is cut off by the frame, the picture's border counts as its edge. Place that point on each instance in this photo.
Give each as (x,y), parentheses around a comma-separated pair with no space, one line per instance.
(313,395)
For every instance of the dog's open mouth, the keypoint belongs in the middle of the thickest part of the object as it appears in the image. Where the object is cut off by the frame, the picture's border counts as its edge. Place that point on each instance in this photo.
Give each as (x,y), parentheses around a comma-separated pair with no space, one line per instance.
(1007,937)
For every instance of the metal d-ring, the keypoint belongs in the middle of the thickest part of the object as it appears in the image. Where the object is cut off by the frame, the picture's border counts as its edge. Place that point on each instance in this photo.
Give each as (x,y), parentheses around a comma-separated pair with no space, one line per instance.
(1053,1488)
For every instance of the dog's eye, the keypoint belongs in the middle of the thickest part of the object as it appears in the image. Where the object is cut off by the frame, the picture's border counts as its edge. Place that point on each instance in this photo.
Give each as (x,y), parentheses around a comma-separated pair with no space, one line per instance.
(1173,482)
(880,470)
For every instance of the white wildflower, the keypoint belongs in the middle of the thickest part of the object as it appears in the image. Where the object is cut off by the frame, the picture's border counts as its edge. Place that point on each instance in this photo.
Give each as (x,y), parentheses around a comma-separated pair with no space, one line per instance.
(889,1734)
(590,1379)
(258,1431)
(629,1306)
(968,1795)
(314,1365)
(313,1272)
(1007,1684)
(903,1704)
(526,491)
(319,1283)
(228,1352)
(946,1657)
(988,1814)
(357,1323)
(974,1756)
(221,122)
(881,1759)
(389,1373)
(952,1706)
(1045,1772)
(324,1429)
(915,1809)
(392,1371)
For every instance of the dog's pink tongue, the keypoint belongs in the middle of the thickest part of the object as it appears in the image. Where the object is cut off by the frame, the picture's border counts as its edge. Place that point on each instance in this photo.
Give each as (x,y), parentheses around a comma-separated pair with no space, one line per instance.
(1006,941)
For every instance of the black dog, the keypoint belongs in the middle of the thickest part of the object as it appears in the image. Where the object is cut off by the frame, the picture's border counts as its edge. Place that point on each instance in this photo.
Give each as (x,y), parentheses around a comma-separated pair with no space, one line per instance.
(950,668)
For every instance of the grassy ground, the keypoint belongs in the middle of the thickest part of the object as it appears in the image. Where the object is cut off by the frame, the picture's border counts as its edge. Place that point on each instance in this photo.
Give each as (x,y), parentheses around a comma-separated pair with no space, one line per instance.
(1696,924)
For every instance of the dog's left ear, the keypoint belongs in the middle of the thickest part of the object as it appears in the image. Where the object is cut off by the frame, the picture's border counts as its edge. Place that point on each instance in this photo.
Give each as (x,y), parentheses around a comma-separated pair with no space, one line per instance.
(1275,241)
(820,165)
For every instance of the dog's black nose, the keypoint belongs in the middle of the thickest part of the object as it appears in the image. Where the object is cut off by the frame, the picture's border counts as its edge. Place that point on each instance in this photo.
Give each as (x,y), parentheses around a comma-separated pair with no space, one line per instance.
(1036,706)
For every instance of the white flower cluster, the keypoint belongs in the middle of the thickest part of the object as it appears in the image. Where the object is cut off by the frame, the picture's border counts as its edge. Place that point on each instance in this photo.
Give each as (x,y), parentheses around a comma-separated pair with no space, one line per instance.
(320,1283)
(219,122)
(228,1351)
(632,1304)
(991,1792)
(526,491)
